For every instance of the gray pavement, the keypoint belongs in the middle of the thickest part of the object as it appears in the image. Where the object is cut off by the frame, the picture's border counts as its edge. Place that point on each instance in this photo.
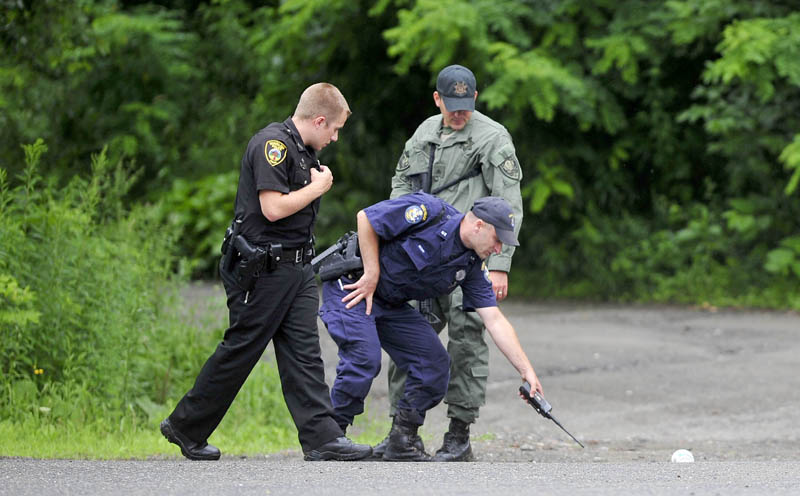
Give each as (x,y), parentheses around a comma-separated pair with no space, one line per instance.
(633,383)
(292,477)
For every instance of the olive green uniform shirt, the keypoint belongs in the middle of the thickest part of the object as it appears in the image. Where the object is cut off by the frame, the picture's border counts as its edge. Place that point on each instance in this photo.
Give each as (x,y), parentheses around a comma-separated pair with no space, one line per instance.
(483,143)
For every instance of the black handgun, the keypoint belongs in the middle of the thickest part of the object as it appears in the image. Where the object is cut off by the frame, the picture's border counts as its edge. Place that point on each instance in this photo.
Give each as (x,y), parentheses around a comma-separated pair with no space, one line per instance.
(542,407)
(252,260)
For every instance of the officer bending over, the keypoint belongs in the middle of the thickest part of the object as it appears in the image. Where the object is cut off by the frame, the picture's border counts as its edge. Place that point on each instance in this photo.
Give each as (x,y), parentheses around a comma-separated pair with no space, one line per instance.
(459,155)
(271,288)
(414,247)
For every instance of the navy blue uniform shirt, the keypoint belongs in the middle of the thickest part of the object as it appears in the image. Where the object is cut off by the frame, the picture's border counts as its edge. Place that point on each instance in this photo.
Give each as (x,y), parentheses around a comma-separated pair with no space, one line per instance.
(276,159)
(421,253)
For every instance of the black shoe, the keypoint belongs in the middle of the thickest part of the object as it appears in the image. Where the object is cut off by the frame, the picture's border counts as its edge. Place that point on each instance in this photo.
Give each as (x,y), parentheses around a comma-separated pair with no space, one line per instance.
(341,449)
(189,448)
(456,447)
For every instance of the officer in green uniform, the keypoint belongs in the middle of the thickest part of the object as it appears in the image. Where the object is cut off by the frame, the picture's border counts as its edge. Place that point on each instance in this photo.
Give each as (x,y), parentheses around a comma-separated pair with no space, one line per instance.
(460,155)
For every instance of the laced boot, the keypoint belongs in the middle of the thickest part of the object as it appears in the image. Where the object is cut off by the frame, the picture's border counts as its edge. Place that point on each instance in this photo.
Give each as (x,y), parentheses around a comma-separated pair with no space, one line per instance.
(456,447)
(379,449)
(404,443)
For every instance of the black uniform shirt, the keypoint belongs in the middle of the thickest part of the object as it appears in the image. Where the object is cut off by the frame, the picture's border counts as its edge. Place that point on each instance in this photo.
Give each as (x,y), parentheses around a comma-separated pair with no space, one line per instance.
(276,159)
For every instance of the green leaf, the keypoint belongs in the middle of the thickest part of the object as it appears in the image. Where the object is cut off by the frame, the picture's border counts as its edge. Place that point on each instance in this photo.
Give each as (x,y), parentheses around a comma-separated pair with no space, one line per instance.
(779,260)
(540,192)
(793,243)
(790,156)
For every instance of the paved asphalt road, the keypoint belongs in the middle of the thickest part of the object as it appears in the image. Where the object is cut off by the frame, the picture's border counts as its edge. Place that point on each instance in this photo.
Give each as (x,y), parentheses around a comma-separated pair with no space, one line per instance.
(294,477)
(633,383)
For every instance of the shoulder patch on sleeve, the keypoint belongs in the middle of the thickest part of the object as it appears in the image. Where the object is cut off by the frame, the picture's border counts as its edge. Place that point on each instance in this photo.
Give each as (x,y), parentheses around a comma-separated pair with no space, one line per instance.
(511,168)
(403,163)
(485,271)
(416,213)
(504,158)
(275,152)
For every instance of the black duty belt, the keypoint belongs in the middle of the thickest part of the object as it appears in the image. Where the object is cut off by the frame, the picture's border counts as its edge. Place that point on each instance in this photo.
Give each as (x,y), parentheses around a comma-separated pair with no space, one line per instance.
(300,255)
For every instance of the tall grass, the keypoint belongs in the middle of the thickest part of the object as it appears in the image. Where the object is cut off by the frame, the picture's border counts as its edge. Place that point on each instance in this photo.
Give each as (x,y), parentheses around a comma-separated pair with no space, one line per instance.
(95,347)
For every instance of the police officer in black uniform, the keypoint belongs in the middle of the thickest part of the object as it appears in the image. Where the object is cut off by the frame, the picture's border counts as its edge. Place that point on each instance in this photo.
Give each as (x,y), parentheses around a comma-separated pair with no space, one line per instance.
(271,289)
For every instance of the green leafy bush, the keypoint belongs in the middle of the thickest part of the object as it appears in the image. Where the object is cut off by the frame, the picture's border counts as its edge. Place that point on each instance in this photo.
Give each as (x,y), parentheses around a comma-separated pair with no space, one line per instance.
(696,256)
(198,212)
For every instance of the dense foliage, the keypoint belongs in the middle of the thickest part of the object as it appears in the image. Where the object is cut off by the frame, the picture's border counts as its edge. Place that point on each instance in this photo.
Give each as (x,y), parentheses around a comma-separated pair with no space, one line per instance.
(659,140)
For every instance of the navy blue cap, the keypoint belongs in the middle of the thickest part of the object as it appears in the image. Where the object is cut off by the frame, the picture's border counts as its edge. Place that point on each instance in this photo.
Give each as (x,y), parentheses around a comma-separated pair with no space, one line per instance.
(497,212)
(456,85)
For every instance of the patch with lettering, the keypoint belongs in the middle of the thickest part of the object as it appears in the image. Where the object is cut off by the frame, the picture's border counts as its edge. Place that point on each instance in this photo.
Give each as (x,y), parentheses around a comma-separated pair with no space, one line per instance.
(416,213)
(485,270)
(460,88)
(275,152)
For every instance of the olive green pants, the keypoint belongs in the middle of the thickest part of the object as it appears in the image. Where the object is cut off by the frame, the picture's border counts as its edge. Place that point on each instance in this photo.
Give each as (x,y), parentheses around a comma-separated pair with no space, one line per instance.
(469,360)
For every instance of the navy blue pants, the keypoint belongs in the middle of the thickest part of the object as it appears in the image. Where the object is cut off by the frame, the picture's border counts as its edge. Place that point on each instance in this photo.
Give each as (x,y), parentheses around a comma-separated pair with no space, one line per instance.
(406,336)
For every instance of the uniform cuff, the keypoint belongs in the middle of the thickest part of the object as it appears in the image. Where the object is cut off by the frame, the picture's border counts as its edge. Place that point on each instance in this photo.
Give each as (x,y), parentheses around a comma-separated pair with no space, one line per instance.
(499,262)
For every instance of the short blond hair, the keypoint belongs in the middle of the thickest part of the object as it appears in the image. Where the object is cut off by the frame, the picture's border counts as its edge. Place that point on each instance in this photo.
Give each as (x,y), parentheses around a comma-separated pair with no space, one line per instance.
(321,99)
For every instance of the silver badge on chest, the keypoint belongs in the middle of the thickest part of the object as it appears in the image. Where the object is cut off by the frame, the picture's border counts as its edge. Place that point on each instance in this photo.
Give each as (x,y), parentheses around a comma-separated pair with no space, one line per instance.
(460,275)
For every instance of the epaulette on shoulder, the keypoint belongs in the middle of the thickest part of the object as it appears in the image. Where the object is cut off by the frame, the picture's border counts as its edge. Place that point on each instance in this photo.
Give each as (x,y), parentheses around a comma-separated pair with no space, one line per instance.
(489,122)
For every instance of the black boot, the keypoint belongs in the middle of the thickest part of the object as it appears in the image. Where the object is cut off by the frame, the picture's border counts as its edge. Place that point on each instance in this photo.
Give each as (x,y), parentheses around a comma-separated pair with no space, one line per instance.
(379,449)
(404,443)
(456,447)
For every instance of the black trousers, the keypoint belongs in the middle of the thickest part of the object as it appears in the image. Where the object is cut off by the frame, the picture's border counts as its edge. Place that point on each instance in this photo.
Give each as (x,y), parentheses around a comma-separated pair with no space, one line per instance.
(283,308)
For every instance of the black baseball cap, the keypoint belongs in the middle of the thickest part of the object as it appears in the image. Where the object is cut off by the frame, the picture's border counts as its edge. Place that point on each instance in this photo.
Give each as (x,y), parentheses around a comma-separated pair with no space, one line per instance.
(497,212)
(456,85)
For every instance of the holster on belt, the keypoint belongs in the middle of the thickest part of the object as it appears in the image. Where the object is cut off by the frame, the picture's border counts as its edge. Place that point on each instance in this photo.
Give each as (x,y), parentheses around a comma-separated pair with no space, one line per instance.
(426,309)
(229,254)
(246,261)
(252,260)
